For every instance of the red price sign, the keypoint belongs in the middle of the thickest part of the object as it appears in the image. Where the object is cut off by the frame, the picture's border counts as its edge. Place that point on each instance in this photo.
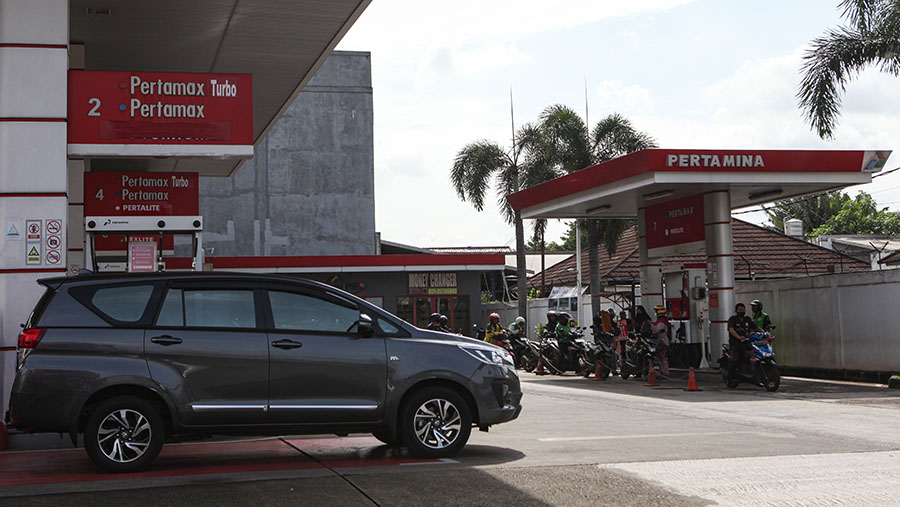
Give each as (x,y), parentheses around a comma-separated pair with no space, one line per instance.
(141,194)
(673,224)
(160,108)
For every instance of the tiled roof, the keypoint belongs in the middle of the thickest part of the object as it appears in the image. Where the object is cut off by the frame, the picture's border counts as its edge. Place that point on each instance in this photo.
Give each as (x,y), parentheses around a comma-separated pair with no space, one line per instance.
(894,258)
(766,253)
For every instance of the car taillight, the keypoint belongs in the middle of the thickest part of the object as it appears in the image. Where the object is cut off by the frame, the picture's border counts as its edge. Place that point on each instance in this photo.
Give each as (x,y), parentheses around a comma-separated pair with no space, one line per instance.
(29,338)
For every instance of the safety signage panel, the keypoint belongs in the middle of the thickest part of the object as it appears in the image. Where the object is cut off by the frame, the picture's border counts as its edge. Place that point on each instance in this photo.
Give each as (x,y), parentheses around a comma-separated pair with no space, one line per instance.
(33,242)
(675,227)
(160,108)
(141,194)
(53,234)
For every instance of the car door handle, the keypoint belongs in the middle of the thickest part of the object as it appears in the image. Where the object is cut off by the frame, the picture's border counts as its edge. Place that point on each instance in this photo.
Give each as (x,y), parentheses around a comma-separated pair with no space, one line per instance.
(166,340)
(287,344)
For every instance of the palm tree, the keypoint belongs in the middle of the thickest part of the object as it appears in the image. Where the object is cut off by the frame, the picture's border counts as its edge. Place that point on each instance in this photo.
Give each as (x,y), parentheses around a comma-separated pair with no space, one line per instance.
(480,162)
(873,38)
(572,149)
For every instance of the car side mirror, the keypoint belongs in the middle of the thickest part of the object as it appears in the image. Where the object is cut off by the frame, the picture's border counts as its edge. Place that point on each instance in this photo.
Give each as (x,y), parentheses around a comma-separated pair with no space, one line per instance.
(365,326)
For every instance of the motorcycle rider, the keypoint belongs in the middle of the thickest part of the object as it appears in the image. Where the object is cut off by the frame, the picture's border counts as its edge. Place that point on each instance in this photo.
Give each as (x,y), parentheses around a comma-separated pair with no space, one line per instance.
(563,331)
(760,318)
(494,332)
(551,322)
(517,327)
(445,324)
(739,326)
(434,322)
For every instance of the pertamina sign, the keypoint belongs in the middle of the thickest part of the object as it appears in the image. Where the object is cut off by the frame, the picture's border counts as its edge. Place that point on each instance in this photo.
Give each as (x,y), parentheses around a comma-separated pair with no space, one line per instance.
(675,227)
(160,114)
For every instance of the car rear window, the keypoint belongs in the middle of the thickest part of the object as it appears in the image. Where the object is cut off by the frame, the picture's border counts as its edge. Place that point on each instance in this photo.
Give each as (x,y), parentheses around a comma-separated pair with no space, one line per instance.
(125,304)
(121,304)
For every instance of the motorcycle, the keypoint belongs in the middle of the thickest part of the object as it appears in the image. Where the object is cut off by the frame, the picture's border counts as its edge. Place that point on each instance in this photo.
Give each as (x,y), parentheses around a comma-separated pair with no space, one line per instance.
(601,350)
(525,352)
(640,356)
(760,369)
(575,358)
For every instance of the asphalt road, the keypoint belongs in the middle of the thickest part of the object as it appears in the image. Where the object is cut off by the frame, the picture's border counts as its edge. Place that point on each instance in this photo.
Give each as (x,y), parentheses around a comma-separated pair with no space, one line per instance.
(577,442)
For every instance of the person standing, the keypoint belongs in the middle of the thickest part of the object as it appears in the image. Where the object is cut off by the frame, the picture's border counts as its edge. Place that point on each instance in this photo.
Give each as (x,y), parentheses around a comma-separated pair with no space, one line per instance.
(625,327)
(662,329)
(640,317)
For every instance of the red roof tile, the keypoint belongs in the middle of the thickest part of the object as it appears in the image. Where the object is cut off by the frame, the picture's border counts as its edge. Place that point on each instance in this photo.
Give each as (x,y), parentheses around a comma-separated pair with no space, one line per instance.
(759,250)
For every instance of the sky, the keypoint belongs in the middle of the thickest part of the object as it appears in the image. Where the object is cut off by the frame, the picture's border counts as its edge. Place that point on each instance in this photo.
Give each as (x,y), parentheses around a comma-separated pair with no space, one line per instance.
(701,74)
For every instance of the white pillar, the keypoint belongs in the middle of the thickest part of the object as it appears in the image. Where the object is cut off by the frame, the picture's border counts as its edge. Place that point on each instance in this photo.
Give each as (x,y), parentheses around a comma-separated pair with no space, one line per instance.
(34,37)
(651,269)
(719,266)
(578,285)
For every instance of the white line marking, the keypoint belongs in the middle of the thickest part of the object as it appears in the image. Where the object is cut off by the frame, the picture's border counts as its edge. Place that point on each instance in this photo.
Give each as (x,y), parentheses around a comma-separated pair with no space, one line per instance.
(667,435)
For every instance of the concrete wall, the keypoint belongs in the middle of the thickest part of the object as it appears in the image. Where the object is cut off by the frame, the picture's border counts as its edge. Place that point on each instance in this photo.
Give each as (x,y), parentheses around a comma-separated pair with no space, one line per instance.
(310,188)
(845,322)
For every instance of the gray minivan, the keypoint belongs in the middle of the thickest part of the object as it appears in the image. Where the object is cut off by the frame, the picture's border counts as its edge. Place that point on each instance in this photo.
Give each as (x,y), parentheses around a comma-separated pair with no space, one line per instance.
(132,360)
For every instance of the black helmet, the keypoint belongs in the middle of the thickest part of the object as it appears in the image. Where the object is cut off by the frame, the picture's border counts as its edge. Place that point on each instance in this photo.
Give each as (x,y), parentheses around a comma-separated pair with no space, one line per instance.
(756,305)
(435,317)
(444,320)
(563,318)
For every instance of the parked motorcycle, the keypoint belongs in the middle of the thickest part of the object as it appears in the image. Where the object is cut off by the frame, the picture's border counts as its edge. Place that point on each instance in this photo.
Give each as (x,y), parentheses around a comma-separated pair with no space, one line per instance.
(640,356)
(525,352)
(760,369)
(575,359)
(602,351)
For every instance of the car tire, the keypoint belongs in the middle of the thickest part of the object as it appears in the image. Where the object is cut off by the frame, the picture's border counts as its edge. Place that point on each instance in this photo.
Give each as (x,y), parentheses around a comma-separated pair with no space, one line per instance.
(124,434)
(435,406)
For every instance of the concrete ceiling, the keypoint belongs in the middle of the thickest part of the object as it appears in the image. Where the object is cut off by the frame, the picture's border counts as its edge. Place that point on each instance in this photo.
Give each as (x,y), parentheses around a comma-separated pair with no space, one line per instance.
(281,42)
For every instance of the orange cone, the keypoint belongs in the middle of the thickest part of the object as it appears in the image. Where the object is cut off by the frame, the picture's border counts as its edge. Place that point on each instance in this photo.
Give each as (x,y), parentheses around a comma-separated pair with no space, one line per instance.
(597,376)
(540,366)
(692,382)
(651,378)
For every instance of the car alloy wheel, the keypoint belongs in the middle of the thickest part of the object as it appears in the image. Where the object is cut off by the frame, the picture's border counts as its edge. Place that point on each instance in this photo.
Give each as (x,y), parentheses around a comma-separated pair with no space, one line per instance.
(437,423)
(124,435)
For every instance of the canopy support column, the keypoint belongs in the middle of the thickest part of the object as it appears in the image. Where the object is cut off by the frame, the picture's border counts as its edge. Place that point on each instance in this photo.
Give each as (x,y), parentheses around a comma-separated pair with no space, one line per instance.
(651,269)
(719,266)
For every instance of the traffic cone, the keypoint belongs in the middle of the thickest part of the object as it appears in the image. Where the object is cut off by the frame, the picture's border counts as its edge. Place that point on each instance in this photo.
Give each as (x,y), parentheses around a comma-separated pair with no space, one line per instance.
(597,377)
(651,378)
(540,367)
(692,382)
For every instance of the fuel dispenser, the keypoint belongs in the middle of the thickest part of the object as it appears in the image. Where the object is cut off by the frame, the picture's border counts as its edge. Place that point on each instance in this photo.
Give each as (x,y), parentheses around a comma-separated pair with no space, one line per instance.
(684,287)
(146,254)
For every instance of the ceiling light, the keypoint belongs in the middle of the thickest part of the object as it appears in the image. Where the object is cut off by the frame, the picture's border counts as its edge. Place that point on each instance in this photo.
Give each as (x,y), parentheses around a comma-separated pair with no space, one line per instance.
(763,194)
(659,195)
(598,209)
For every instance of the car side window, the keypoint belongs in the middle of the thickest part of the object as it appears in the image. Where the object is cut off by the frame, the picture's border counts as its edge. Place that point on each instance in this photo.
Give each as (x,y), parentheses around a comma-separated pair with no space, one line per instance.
(208,308)
(124,303)
(300,312)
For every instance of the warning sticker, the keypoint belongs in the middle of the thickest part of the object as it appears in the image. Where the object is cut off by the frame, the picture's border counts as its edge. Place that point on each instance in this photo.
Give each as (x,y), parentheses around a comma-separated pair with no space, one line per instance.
(53,257)
(33,230)
(54,226)
(33,254)
(53,242)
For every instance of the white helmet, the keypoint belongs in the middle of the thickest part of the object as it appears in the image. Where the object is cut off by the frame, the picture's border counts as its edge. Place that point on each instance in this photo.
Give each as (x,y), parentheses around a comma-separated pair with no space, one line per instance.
(520,321)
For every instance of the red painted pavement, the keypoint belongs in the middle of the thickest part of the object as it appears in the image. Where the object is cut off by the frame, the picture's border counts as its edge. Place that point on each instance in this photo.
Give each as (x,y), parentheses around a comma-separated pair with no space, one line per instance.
(73,465)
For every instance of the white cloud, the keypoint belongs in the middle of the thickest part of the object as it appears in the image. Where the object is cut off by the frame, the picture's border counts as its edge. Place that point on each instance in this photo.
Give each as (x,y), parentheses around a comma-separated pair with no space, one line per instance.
(627,99)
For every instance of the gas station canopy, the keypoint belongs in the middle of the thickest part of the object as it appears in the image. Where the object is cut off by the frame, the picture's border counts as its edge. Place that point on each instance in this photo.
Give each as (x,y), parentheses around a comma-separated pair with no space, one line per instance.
(620,187)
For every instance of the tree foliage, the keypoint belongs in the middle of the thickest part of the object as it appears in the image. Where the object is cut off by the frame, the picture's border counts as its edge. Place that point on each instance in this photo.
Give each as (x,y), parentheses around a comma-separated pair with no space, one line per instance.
(872,38)
(861,215)
(812,210)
